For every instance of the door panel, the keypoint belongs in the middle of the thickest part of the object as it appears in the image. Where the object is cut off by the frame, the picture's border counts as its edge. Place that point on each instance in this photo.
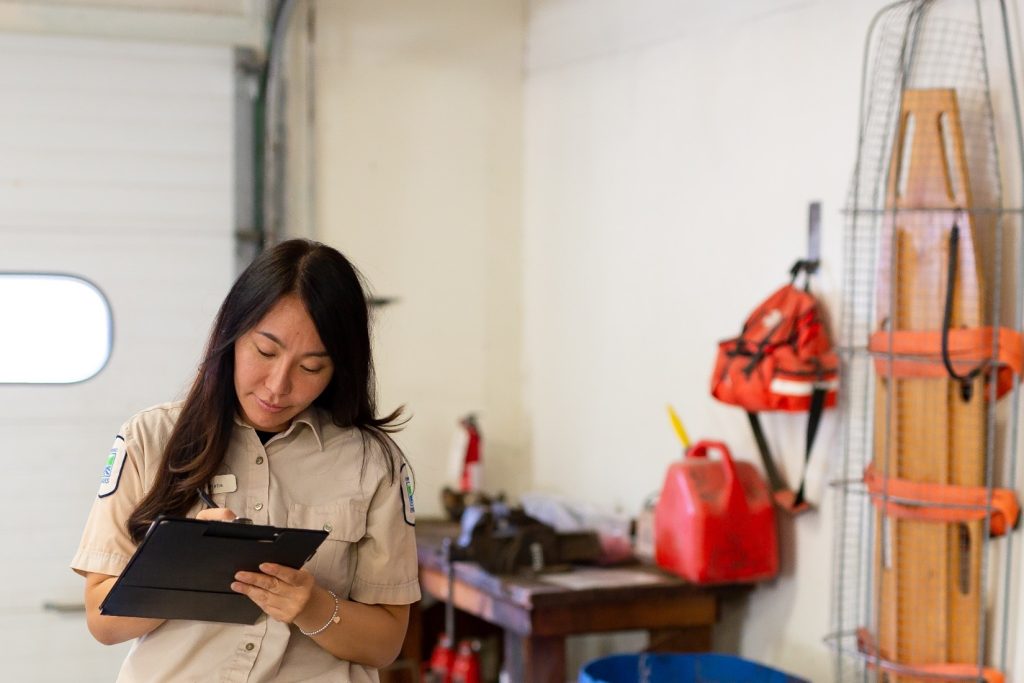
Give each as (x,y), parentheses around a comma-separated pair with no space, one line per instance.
(117,167)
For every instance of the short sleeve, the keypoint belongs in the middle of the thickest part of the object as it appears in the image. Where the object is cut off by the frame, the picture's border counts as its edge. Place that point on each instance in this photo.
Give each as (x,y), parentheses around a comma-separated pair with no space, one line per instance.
(386,568)
(106,546)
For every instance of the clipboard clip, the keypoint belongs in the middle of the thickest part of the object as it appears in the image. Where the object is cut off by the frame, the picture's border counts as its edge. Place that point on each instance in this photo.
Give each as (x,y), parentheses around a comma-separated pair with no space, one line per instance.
(247,529)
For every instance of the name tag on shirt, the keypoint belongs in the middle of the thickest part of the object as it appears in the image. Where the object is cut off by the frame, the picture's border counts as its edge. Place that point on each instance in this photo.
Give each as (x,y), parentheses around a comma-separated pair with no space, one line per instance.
(223,483)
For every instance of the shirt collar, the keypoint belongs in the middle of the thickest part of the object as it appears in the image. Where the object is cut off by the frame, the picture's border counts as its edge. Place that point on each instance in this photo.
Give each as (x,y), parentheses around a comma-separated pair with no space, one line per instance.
(309,417)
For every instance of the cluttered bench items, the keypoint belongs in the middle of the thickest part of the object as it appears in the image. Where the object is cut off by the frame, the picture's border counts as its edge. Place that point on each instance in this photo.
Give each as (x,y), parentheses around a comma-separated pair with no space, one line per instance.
(536,611)
(506,540)
(540,585)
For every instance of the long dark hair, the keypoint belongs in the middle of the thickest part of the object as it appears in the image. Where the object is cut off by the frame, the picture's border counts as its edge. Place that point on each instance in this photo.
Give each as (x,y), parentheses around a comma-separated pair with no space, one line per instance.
(332,291)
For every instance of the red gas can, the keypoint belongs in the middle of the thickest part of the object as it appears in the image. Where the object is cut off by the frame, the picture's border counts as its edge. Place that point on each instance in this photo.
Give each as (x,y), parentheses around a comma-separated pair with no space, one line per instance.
(714,522)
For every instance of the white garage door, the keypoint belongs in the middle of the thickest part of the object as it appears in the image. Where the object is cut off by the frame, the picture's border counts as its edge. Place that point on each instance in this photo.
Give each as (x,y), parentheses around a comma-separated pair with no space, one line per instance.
(116,165)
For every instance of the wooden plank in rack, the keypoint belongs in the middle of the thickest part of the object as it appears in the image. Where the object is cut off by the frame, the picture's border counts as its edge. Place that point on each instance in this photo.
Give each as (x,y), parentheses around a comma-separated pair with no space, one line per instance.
(925,430)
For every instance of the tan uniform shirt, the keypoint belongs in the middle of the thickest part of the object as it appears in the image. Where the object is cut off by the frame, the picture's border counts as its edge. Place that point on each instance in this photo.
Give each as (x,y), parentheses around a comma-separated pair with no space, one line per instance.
(310,476)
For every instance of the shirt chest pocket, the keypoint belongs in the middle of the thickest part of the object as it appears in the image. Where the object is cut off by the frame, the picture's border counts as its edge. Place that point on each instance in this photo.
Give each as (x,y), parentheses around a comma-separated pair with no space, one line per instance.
(334,562)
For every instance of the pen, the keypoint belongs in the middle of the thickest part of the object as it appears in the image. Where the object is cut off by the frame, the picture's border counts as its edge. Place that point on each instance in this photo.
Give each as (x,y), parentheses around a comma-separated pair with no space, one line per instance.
(206,498)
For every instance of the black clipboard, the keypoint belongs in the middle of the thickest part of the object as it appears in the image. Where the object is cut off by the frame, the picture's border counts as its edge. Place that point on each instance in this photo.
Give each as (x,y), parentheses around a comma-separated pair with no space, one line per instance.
(183,569)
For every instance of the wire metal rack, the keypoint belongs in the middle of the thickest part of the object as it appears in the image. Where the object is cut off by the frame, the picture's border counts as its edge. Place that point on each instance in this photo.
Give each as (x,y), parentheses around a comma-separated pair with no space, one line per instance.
(932,281)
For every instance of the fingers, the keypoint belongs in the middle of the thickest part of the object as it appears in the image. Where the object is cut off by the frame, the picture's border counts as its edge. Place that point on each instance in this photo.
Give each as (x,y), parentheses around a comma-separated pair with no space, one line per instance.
(276,595)
(267,583)
(216,514)
(263,590)
(295,577)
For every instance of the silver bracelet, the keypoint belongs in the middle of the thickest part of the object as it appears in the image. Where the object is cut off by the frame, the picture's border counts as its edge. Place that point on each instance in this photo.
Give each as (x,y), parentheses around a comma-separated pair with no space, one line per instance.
(333,620)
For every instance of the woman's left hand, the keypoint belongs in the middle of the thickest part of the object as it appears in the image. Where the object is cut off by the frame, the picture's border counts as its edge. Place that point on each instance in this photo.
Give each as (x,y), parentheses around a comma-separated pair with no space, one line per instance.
(281,592)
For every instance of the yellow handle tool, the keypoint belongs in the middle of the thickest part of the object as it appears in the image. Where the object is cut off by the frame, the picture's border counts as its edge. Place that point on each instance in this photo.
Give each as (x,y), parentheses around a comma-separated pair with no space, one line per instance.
(677,425)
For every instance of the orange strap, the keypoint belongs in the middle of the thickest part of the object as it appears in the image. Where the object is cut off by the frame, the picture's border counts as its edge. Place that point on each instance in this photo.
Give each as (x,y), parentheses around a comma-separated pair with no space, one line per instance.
(922,501)
(785,499)
(919,353)
(925,672)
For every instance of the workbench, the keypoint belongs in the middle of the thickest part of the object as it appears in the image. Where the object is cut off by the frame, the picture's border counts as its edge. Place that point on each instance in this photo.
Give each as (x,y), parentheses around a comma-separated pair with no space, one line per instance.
(537,613)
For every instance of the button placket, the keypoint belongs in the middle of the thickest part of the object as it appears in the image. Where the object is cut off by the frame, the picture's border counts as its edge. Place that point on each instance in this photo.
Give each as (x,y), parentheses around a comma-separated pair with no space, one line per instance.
(249,647)
(259,492)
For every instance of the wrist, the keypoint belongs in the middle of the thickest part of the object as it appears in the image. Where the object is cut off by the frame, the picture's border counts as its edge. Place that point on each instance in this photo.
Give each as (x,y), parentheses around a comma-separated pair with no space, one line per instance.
(325,613)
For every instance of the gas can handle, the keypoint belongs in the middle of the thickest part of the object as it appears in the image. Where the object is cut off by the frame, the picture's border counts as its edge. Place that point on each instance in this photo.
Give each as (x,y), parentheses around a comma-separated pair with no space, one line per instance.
(700,450)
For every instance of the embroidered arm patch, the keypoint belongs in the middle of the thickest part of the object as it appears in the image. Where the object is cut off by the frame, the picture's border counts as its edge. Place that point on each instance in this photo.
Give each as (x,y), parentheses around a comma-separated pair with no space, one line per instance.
(113,467)
(408,488)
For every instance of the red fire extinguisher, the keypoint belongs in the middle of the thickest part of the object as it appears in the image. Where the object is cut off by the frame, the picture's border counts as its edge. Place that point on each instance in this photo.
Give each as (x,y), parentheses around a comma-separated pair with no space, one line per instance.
(466,667)
(472,462)
(442,660)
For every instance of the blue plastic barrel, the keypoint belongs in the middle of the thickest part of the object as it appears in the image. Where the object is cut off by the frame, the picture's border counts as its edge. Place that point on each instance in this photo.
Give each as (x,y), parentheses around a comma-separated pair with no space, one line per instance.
(681,668)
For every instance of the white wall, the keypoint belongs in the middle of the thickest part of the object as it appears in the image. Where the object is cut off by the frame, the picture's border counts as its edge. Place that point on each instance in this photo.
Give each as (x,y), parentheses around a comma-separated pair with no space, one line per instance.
(117,167)
(671,150)
(419,110)
(669,153)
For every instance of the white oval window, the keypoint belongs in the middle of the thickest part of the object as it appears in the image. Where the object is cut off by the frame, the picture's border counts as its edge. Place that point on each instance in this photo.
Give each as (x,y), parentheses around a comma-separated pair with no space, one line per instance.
(57,329)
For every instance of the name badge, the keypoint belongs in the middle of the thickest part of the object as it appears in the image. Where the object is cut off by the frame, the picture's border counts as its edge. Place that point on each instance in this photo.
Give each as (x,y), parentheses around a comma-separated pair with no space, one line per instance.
(223,483)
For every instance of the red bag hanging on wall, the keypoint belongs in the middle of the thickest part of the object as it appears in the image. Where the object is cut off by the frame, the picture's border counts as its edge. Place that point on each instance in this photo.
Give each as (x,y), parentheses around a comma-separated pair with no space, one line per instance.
(782,360)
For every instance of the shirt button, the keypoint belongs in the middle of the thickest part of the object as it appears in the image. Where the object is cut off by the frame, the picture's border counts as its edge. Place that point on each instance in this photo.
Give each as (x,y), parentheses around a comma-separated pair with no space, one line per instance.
(328,527)
(258,506)
(259,460)
(249,647)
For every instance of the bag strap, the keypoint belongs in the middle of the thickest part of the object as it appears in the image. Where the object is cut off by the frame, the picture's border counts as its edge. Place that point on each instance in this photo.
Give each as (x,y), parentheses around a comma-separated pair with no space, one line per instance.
(817,409)
(809,267)
(774,479)
(966,379)
(792,502)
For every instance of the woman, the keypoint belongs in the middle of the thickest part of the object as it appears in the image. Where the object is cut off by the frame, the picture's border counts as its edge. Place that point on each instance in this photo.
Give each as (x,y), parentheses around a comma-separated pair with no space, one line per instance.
(279,426)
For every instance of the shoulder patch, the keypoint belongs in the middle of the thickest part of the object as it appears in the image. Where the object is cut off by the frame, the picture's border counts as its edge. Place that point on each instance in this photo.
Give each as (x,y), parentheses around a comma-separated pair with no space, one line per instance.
(112,469)
(408,488)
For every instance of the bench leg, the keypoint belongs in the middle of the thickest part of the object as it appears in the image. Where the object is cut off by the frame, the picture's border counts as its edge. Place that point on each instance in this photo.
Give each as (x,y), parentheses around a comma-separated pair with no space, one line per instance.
(535,659)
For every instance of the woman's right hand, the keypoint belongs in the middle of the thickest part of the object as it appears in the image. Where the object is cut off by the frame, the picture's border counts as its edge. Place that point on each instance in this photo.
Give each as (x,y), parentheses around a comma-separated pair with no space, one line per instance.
(217,514)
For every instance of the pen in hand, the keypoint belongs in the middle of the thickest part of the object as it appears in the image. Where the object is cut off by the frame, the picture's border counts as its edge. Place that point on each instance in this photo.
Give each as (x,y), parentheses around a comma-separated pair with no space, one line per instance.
(205,497)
